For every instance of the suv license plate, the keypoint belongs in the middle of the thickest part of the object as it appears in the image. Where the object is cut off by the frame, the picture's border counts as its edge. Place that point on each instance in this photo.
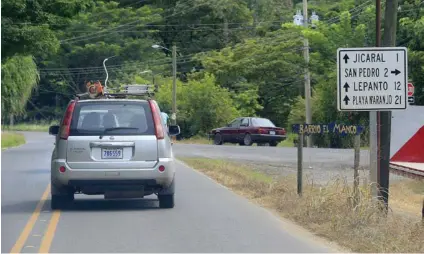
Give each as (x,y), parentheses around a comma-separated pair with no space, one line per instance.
(114,153)
(272,132)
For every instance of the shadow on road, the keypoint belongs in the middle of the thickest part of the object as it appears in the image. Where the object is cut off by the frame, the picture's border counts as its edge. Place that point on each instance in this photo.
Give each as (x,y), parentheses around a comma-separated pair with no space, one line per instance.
(84,205)
(21,207)
(36,171)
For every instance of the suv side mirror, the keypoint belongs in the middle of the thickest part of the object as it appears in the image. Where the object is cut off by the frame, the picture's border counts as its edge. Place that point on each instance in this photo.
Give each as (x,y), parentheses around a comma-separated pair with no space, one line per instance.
(54,129)
(174,130)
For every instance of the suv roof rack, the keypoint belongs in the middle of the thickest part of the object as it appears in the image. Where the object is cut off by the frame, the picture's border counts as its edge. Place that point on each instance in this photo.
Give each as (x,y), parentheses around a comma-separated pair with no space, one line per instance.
(132,90)
(96,91)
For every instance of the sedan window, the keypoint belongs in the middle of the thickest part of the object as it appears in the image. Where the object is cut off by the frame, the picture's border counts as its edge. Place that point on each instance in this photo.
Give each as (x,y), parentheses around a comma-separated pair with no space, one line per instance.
(235,123)
(245,122)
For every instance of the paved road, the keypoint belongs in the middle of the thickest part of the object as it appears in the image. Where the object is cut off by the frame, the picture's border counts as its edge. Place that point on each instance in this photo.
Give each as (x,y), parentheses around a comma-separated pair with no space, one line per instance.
(321,165)
(288,155)
(207,217)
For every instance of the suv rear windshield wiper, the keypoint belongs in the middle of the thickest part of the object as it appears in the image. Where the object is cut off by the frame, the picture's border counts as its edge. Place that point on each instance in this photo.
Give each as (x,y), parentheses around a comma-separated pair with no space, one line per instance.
(117,128)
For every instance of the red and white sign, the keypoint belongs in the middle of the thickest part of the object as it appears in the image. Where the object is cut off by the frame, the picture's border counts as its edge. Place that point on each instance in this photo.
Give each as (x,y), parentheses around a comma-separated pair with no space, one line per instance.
(410,89)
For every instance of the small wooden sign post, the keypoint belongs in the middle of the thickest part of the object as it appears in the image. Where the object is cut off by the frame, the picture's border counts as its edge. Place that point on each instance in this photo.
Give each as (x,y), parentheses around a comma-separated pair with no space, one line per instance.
(341,129)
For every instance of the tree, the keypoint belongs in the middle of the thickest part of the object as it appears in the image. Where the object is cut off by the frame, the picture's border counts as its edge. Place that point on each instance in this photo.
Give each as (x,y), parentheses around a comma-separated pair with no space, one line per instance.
(28,26)
(26,32)
(18,77)
(202,105)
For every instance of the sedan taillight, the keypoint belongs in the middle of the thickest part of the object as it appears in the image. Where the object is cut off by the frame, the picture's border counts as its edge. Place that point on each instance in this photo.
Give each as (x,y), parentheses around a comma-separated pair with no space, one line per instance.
(262,131)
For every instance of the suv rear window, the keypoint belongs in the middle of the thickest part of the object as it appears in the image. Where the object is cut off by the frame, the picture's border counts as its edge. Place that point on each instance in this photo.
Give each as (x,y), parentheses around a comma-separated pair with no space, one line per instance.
(112,118)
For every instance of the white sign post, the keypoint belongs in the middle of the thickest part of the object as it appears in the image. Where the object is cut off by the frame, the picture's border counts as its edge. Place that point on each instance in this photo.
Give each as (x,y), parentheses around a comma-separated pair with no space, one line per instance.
(372,79)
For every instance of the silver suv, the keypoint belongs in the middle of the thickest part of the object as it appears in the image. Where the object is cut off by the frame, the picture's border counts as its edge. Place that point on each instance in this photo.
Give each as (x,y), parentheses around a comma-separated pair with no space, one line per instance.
(118,148)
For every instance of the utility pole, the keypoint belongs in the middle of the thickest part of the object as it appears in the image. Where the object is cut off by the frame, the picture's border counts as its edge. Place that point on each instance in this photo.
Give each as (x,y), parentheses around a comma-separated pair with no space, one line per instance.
(384,118)
(174,85)
(307,74)
(374,145)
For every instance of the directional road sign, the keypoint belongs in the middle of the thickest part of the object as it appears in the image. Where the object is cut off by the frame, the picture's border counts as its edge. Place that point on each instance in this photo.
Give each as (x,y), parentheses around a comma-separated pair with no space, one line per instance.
(372,79)
(411,89)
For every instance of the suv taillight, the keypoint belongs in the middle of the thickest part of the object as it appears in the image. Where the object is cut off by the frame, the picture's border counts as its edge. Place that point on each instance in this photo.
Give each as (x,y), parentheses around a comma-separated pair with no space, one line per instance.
(66,124)
(157,120)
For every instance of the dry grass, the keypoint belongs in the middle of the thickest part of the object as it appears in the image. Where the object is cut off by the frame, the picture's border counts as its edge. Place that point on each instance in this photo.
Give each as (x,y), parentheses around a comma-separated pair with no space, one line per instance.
(407,196)
(325,210)
(10,139)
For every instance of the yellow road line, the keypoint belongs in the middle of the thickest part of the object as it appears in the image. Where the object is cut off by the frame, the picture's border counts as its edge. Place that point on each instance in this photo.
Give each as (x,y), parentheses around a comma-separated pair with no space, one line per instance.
(30,224)
(48,236)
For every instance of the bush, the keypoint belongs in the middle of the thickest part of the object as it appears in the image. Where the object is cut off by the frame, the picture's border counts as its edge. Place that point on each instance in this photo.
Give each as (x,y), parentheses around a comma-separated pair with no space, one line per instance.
(201,105)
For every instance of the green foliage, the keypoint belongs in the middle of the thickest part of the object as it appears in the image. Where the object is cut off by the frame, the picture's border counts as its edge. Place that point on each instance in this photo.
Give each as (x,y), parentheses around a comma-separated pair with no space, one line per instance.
(19,76)
(412,32)
(28,26)
(234,57)
(247,102)
(201,105)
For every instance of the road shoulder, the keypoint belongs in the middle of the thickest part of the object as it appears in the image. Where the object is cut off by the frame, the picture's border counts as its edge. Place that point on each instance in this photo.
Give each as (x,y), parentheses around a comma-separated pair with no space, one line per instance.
(295,229)
(327,210)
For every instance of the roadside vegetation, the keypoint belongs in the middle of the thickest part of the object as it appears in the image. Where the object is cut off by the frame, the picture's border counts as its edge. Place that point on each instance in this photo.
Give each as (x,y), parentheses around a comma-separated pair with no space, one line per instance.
(235,58)
(203,140)
(11,139)
(327,210)
(34,126)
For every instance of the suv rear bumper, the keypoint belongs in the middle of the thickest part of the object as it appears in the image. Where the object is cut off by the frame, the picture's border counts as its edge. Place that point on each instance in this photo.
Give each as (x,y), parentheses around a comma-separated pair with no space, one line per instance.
(111,177)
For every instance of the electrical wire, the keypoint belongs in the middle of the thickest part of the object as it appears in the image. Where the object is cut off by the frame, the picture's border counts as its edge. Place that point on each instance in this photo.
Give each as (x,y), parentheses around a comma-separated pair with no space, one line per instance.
(113,28)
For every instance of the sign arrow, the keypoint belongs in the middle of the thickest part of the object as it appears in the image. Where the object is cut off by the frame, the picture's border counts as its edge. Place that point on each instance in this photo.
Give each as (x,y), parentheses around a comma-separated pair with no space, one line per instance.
(346,100)
(346,87)
(396,72)
(346,57)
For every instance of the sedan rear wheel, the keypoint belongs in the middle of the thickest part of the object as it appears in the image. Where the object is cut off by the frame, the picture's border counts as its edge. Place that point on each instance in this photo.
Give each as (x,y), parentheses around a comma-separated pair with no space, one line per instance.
(217,140)
(273,143)
(247,140)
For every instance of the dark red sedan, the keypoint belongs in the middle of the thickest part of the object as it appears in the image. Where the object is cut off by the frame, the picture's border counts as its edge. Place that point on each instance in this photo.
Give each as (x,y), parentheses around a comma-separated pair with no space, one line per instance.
(249,130)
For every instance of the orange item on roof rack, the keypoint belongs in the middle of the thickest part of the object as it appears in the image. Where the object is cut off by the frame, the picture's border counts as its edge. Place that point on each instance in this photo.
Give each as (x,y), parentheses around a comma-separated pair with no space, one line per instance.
(95,89)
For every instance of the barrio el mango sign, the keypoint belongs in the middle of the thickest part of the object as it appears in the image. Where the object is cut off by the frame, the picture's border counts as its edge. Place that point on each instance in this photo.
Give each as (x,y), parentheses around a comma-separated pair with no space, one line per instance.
(341,129)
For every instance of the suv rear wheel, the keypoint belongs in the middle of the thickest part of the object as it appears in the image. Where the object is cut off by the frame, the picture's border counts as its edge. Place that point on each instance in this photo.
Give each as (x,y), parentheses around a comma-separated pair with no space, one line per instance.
(61,201)
(166,201)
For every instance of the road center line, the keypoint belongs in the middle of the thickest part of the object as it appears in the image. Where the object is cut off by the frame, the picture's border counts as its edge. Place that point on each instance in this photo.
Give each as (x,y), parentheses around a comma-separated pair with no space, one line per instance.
(31,222)
(49,235)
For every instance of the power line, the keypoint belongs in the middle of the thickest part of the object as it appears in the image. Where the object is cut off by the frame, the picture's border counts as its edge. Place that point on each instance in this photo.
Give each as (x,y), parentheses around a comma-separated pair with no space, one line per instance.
(130,23)
(98,69)
(65,72)
(359,7)
(164,61)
